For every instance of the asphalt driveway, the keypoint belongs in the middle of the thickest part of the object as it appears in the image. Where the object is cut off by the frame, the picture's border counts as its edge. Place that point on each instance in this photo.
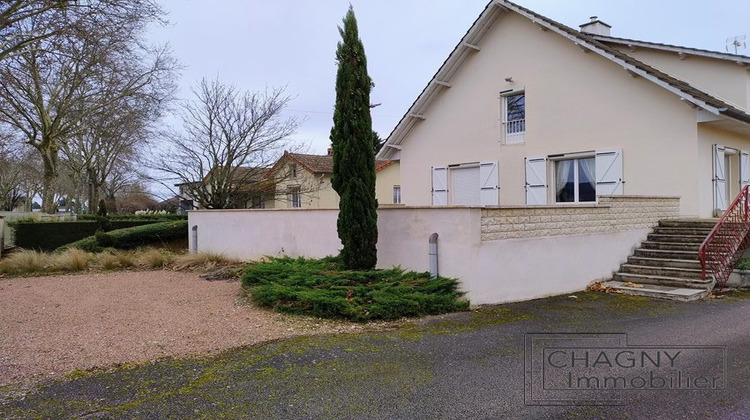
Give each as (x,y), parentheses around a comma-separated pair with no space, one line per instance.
(468,365)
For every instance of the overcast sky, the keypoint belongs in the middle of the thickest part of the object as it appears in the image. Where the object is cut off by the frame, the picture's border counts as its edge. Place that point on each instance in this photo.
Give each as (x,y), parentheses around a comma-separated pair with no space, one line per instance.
(257,43)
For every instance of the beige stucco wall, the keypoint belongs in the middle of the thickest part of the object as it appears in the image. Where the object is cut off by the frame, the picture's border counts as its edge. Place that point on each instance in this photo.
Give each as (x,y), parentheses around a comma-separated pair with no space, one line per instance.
(385,179)
(252,234)
(317,192)
(575,102)
(492,269)
(723,78)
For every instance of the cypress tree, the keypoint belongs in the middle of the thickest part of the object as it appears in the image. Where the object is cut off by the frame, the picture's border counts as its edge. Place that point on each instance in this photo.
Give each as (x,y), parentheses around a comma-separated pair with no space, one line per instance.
(353,152)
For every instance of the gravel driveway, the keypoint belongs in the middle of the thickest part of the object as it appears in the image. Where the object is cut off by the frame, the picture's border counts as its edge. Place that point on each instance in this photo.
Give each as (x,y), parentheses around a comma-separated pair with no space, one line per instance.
(50,326)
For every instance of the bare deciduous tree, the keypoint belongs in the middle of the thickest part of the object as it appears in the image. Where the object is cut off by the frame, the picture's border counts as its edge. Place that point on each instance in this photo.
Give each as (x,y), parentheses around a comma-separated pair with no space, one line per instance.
(11,175)
(111,140)
(55,17)
(54,85)
(229,140)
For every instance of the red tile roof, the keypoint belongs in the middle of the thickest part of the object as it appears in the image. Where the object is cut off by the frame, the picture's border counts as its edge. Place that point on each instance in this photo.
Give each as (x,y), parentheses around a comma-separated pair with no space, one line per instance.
(323,164)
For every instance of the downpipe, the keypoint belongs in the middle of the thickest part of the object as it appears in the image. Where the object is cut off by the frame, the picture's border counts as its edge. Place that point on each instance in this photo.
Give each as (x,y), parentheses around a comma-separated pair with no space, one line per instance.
(194,233)
(433,255)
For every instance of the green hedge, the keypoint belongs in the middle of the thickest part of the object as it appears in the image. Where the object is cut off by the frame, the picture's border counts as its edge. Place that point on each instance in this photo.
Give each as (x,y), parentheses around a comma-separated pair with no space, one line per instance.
(138,217)
(48,236)
(134,237)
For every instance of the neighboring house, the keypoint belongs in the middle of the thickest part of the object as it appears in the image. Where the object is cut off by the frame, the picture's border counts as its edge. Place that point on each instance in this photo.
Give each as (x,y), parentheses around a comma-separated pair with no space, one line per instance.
(304,181)
(186,201)
(249,185)
(582,114)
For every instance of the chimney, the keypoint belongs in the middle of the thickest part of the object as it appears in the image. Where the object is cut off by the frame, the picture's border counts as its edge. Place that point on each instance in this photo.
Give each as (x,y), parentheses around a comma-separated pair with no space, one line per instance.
(330,151)
(595,27)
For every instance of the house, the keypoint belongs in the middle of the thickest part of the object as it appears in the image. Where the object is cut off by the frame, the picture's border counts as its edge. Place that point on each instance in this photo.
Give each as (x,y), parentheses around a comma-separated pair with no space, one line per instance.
(535,139)
(240,186)
(529,112)
(304,181)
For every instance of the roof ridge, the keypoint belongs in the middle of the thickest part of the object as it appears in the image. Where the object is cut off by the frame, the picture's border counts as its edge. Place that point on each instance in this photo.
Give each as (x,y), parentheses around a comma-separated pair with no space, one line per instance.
(679,84)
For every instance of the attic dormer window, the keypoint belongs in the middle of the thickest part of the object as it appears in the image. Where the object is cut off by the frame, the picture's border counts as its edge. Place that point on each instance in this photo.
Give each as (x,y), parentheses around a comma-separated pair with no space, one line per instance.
(514,116)
(293,171)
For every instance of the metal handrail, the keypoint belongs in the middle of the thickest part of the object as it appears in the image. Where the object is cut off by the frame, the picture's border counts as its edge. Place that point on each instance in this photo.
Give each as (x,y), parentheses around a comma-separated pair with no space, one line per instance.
(728,239)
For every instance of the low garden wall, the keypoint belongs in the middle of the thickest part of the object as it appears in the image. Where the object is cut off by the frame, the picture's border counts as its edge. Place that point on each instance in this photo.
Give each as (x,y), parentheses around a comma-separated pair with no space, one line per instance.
(478,245)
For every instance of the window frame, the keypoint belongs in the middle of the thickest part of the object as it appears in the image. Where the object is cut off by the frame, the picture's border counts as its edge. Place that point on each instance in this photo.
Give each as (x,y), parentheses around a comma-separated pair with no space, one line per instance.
(396,198)
(515,137)
(576,178)
(294,197)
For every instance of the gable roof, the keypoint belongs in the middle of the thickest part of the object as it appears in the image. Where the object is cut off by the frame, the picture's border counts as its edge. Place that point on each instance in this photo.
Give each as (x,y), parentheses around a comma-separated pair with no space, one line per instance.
(736,58)
(320,164)
(493,10)
(316,164)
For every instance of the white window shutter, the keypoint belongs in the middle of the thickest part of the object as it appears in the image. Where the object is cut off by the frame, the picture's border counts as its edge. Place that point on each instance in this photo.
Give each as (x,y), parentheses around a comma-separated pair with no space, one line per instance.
(536,181)
(609,172)
(439,186)
(744,168)
(488,180)
(720,179)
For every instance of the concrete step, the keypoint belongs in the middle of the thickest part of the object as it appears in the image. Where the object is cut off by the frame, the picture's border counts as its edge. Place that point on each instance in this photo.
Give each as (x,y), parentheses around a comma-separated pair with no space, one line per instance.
(670,246)
(692,239)
(663,271)
(688,283)
(666,254)
(664,262)
(694,223)
(660,292)
(682,231)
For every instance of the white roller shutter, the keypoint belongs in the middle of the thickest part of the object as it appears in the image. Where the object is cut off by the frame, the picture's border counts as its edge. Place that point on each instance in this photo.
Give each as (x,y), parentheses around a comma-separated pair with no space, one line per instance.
(744,168)
(439,186)
(488,188)
(536,181)
(609,172)
(720,179)
(464,181)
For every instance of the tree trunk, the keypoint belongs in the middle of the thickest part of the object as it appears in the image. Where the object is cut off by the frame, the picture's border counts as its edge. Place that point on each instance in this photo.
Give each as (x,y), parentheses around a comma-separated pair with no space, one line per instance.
(49,160)
(92,196)
(48,150)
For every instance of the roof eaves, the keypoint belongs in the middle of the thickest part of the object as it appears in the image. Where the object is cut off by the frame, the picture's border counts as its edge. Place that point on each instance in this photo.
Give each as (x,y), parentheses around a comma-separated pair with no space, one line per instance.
(736,58)
(382,164)
(465,47)
(484,22)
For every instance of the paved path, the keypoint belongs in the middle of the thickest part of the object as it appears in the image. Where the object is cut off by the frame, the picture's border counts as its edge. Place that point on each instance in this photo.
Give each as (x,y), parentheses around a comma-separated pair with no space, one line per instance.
(468,366)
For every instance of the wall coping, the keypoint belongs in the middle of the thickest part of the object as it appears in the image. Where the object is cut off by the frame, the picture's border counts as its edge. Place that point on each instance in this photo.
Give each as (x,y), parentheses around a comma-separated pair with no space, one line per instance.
(454,207)
(641,197)
(386,207)
(298,210)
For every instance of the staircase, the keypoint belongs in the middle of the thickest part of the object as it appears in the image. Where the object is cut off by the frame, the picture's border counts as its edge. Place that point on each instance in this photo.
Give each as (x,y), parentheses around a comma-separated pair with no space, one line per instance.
(667,264)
